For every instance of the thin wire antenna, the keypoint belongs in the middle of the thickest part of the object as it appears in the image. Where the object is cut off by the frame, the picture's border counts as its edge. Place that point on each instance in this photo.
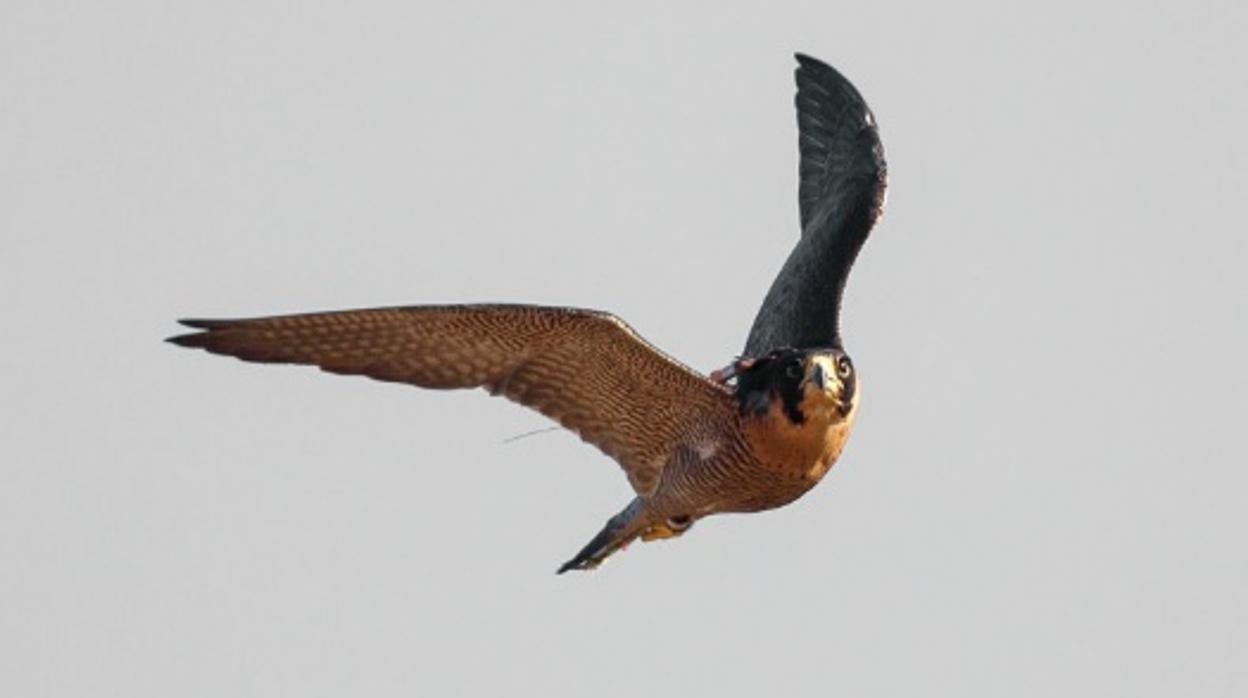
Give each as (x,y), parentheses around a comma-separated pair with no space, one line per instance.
(527,434)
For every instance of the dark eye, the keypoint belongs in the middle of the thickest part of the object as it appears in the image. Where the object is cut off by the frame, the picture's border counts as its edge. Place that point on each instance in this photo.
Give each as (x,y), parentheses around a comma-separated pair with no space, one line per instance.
(793,370)
(844,368)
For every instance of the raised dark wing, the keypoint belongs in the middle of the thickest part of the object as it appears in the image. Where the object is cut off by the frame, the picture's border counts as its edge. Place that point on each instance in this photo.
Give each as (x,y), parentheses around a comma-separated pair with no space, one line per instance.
(585,369)
(841,195)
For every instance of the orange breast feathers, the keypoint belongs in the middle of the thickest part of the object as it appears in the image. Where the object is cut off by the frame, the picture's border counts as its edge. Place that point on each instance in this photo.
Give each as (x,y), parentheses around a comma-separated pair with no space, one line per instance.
(807,449)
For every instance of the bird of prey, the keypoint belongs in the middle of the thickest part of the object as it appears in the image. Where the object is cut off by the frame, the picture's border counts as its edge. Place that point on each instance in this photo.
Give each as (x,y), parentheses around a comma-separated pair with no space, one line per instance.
(755,435)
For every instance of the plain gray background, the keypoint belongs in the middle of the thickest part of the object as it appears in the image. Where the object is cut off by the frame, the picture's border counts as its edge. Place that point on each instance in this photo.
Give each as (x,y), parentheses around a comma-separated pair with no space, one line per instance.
(1045,493)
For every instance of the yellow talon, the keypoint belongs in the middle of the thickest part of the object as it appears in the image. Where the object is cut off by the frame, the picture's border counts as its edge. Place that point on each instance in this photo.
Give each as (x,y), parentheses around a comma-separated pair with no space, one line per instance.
(658,531)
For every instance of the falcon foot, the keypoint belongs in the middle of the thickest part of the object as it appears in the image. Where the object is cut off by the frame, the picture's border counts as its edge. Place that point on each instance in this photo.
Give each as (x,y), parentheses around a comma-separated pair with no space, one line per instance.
(670,528)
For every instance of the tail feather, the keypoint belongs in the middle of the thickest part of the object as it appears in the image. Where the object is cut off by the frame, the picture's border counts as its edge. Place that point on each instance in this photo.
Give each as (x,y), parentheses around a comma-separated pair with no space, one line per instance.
(620,530)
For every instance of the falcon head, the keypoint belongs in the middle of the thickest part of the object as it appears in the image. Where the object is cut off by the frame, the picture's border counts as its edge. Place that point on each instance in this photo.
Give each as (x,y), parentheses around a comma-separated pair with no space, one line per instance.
(805,383)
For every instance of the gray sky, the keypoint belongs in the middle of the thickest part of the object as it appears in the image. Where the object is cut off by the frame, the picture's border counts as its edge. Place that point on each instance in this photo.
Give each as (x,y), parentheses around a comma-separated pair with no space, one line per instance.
(1045,492)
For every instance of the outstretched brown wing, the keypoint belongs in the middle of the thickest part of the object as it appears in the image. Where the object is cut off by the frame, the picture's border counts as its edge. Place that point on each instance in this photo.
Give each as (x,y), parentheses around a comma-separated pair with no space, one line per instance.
(585,369)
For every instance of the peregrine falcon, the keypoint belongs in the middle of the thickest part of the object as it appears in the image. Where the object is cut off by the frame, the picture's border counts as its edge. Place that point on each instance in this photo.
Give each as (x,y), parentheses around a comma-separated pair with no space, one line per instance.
(755,435)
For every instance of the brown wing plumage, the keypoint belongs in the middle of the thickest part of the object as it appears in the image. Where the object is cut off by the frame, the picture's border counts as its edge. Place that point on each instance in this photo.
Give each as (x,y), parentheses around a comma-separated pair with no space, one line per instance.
(585,369)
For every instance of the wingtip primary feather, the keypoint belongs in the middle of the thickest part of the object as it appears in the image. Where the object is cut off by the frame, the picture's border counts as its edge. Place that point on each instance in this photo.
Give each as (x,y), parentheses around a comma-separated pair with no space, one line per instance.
(197,340)
(806,58)
(813,66)
(191,340)
(202,324)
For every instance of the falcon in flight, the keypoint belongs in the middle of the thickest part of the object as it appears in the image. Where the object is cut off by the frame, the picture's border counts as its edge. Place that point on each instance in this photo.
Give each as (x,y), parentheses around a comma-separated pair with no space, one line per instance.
(755,435)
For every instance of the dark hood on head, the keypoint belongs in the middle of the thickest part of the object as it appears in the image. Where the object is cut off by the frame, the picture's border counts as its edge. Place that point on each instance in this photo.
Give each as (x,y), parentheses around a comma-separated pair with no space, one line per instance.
(761,380)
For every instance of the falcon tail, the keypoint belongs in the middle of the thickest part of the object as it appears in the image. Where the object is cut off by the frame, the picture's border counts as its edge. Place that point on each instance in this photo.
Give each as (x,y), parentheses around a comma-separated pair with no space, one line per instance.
(620,530)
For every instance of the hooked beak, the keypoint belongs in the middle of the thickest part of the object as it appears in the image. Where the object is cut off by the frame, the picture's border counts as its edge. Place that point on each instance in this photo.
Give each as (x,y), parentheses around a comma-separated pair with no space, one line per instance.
(819,377)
